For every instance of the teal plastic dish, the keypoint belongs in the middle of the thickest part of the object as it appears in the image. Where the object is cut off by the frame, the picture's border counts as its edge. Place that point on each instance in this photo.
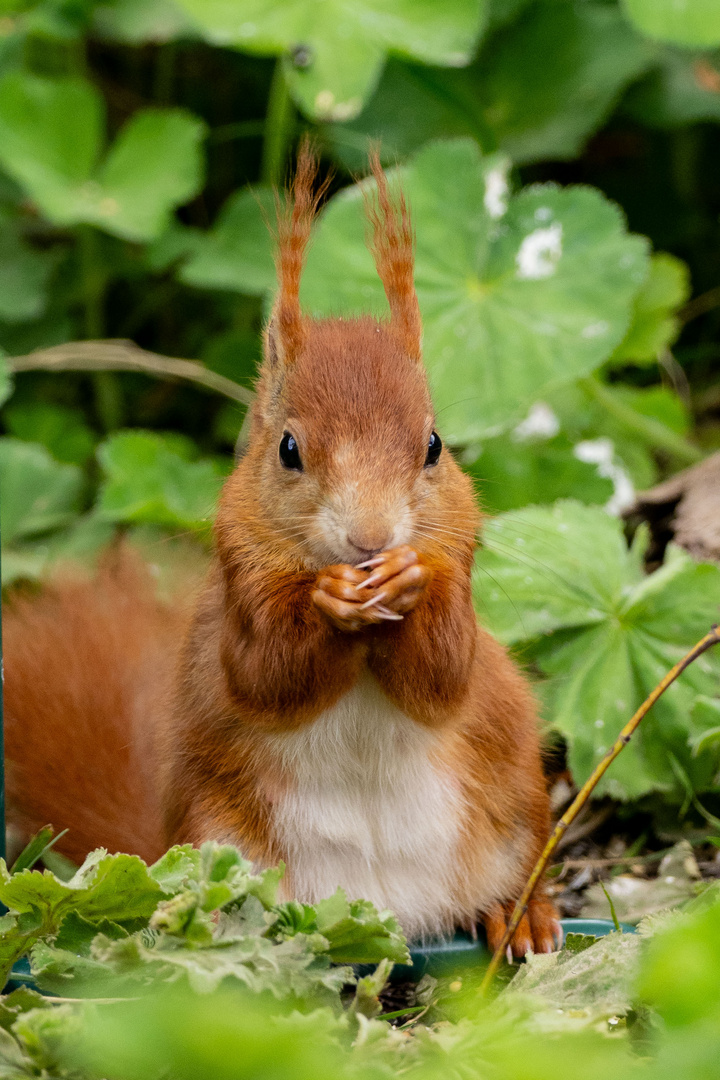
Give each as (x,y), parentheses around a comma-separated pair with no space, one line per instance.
(447,957)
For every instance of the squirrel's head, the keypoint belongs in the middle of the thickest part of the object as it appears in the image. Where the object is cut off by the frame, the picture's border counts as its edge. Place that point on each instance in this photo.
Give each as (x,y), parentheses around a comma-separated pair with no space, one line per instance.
(343,442)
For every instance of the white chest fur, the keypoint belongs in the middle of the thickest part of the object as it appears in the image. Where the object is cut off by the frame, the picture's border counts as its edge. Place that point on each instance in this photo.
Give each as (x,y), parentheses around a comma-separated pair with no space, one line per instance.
(367,807)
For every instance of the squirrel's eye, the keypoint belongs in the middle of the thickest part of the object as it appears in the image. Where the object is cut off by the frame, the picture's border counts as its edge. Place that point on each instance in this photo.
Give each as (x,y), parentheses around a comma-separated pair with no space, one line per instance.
(433,451)
(289,453)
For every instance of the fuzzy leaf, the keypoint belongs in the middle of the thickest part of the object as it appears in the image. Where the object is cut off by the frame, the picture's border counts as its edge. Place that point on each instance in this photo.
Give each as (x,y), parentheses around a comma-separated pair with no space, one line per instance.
(513,301)
(135,22)
(655,324)
(38,494)
(357,933)
(115,887)
(343,44)
(600,978)
(147,480)
(51,135)
(237,253)
(511,474)
(564,95)
(685,22)
(561,582)
(61,430)
(24,275)
(680,976)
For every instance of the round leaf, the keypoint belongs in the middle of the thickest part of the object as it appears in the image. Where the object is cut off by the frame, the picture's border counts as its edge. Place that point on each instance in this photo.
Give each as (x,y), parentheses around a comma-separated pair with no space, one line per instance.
(686,22)
(50,139)
(146,480)
(38,494)
(655,324)
(561,582)
(563,96)
(342,43)
(237,253)
(154,165)
(513,301)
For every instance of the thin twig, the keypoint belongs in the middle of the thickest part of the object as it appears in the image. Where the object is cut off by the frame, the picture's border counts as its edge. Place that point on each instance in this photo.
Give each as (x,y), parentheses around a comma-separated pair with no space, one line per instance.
(700,305)
(710,639)
(117,354)
(620,860)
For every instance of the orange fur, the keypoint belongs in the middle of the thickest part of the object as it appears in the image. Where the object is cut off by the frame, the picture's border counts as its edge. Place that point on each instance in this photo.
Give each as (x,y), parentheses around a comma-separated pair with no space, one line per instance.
(394,249)
(292,637)
(87,665)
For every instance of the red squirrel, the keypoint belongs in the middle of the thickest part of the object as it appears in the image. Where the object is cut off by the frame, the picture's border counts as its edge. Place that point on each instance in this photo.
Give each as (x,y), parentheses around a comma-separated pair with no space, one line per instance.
(335,703)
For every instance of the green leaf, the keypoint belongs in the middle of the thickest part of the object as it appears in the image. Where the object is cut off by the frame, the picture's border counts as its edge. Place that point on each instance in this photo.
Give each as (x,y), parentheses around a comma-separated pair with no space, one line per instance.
(680,974)
(51,134)
(600,978)
(560,582)
(681,89)
(513,301)
(77,934)
(42,841)
(135,22)
(357,933)
(638,422)
(6,380)
(511,473)
(686,22)
(115,887)
(655,324)
(24,275)
(345,43)
(13,1063)
(706,721)
(576,943)
(564,94)
(237,253)
(146,480)
(38,494)
(61,430)
(50,139)
(176,867)
(154,165)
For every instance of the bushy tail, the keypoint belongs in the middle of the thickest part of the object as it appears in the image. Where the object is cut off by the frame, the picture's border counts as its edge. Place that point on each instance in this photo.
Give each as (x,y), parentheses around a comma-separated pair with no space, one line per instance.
(88,667)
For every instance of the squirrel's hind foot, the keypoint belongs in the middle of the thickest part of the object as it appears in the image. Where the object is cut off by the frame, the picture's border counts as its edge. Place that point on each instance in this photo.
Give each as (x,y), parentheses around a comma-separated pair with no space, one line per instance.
(539,930)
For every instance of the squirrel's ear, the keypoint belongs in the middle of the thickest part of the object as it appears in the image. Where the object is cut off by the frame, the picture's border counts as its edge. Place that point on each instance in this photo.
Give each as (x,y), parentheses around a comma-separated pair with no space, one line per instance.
(274,351)
(393,248)
(294,222)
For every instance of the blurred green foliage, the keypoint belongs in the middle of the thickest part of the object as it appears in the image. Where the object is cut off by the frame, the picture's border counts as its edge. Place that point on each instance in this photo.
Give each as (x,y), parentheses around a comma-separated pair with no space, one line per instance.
(560,157)
(192,968)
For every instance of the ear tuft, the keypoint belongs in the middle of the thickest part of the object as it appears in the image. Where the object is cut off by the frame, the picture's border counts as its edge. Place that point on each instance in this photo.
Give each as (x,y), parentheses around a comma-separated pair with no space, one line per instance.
(393,248)
(293,233)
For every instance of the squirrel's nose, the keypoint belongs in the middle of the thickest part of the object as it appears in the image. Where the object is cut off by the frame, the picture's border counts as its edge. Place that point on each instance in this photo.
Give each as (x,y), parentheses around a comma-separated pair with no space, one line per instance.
(367,544)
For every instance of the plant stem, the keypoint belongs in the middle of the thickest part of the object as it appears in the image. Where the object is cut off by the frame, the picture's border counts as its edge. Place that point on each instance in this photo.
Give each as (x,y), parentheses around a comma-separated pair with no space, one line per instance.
(279,128)
(710,639)
(652,430)
(93,282)
(164,72)
(108,393)
(116,354)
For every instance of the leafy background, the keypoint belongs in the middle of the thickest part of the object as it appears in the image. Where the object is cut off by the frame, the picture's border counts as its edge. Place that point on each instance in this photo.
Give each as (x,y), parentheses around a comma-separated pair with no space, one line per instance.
(561,160)
(560,157)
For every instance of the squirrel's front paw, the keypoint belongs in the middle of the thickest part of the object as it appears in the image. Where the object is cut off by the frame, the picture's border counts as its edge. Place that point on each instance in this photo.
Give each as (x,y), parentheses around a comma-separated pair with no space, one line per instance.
(396,581)
(336,596)
(353,599)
